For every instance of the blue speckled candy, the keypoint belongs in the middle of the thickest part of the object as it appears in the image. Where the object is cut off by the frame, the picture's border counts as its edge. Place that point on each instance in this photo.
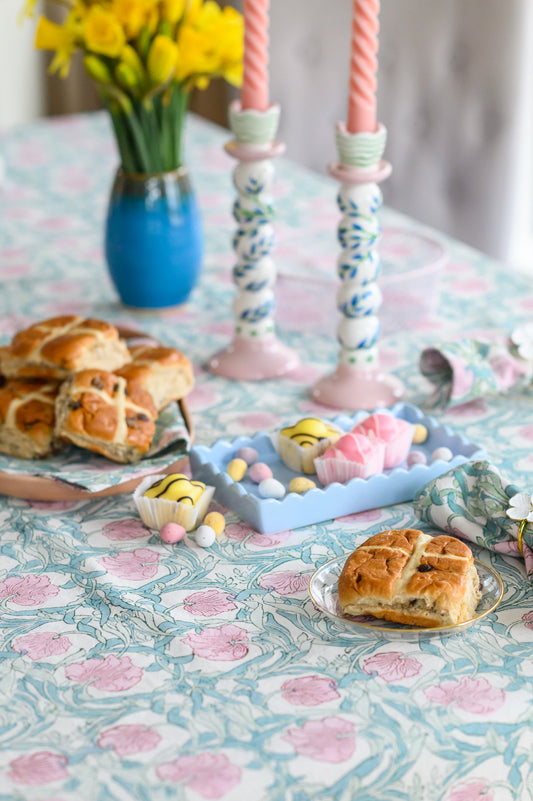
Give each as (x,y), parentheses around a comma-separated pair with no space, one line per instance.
(205,536)
(443,453)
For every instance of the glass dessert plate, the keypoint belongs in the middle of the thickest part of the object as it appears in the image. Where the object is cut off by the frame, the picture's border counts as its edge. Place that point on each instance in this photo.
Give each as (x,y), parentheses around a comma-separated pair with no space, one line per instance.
(323,592)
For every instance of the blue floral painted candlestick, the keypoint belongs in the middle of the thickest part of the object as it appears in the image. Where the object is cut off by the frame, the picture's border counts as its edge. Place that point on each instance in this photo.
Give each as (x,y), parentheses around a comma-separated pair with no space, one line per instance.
(255,351)
(358,382)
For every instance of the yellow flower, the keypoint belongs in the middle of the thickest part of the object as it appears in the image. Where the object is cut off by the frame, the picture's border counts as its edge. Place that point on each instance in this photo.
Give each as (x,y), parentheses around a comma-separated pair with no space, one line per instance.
(61,38)
(132,14)
(97,69)
(197,54)
(131,59)
(230,41)
(162,59)
(171,10)
(103,32)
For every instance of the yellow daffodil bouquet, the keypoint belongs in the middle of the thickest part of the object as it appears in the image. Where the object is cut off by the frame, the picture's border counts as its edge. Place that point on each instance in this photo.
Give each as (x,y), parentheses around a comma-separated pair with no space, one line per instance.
(146,57)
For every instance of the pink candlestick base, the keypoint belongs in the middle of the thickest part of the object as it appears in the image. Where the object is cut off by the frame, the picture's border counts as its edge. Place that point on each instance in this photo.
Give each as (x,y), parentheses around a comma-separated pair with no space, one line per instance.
(254,360)
(350,387)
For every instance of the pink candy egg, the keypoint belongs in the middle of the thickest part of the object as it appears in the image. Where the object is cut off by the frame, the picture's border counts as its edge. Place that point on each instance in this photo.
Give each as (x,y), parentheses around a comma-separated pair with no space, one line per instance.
(249,455)
(259,471)
(172,533)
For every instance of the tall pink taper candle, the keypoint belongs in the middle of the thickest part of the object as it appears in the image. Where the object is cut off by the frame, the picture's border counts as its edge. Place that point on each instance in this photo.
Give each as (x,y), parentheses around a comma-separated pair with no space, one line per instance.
(254,92)
(363,67)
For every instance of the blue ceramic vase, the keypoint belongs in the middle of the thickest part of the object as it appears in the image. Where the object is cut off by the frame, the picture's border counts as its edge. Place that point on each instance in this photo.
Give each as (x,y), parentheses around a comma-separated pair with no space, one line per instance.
(153,239)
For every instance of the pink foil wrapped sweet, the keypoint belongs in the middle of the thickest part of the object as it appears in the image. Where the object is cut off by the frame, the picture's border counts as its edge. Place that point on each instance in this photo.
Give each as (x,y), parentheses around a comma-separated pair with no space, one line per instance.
(353,456)
(396,434)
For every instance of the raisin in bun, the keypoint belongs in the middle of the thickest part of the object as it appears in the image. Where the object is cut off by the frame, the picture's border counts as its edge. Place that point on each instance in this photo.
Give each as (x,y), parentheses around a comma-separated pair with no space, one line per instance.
(407,576)
(99,411)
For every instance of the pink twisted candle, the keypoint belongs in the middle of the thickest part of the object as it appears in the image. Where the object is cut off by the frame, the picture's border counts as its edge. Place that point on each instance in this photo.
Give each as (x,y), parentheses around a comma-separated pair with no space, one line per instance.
(363,67)
(254,92)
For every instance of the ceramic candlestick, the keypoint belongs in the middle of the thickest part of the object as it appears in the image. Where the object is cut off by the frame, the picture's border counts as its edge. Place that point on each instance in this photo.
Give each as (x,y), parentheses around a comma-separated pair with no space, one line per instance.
(255,351)
(358,382)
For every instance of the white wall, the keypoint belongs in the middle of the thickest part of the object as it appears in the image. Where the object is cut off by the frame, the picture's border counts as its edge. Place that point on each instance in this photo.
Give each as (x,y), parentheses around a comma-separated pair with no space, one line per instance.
(21,74)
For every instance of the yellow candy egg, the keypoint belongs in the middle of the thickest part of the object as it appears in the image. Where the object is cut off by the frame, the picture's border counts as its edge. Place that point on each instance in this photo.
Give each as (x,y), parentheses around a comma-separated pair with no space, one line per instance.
(309,431)
(420,435)
(237,469)
(176,487)
(301,485)
(216,521)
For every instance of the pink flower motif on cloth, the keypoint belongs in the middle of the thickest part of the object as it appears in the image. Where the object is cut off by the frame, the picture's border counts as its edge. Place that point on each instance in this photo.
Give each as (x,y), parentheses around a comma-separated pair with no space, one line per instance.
(327,740)
(369,516)
(128,529)
(471,790)
(135,565)
(40,767)
(528,620)
(257,421)
(285,583)
(52,506)
(225,644)
(471,695)
(209,603)
(129,739)
(28,590)
(202,396)
(112,674)
(463,377)
(473,408)
(240,531)
(41,644)
(309,690)
(392,666)
(210,775)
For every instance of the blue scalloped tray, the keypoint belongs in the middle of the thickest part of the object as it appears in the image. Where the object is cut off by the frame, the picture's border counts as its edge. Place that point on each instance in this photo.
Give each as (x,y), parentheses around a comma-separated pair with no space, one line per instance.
(324,503)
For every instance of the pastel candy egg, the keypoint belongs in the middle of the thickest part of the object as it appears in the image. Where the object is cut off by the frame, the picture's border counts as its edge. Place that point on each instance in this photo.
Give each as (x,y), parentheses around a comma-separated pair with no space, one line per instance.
(249,455)
(271,488)
(205,536)
(416,457)
(237,469)
(216,521)
(301,485)
(172,533)
(259,471)
(442,453)
(420,435)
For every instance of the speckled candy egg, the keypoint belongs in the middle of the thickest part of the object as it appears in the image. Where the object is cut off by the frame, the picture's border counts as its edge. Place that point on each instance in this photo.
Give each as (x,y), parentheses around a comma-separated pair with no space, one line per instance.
(259,471)
(416,457)
(216,521)
(237,469)
(172,533)
(271,488)
(301,484)
(443,453)
(249,455)
(205,536)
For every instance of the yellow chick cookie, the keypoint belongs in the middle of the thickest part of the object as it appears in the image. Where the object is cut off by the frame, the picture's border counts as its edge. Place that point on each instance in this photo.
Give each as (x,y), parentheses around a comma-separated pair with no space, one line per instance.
(309,431)
(299,445)
(176,487)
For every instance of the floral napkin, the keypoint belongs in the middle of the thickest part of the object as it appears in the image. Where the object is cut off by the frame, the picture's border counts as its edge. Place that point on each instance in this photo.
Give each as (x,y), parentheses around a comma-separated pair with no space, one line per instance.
(90,471)
(475,502)
(469,368)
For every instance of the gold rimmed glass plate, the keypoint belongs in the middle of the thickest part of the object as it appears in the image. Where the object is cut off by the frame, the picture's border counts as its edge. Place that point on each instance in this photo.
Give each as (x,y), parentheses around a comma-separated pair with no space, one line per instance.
(323,592)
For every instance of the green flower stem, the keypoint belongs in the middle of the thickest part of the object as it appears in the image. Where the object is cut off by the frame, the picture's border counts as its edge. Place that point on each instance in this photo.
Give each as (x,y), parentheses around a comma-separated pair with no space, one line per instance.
(123,141)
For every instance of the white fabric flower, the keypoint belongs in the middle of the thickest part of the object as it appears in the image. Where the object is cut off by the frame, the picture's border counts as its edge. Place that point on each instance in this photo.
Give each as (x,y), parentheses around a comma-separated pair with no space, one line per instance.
(521,507)
(522,337)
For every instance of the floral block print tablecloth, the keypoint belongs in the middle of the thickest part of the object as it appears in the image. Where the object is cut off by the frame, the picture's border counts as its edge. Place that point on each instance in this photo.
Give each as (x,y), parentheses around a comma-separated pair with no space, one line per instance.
(132,669)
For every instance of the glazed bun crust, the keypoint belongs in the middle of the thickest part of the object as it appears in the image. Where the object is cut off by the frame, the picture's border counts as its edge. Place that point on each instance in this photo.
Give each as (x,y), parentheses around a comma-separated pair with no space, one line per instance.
(97,410)
(27,418)
(406,576)
(165,373)
(57,347)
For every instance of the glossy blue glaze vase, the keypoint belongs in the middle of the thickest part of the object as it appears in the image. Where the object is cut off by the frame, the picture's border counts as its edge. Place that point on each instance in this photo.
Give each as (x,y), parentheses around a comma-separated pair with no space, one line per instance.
(153,239)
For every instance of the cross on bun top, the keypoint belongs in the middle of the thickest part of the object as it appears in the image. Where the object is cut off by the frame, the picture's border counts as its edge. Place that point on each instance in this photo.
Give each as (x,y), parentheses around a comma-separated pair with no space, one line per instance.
(99,411)
(406,576)
(59,346)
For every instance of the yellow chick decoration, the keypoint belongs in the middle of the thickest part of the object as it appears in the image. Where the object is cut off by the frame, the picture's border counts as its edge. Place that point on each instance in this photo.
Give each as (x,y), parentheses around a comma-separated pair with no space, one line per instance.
(309,431)
(299,445)
(176,487)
